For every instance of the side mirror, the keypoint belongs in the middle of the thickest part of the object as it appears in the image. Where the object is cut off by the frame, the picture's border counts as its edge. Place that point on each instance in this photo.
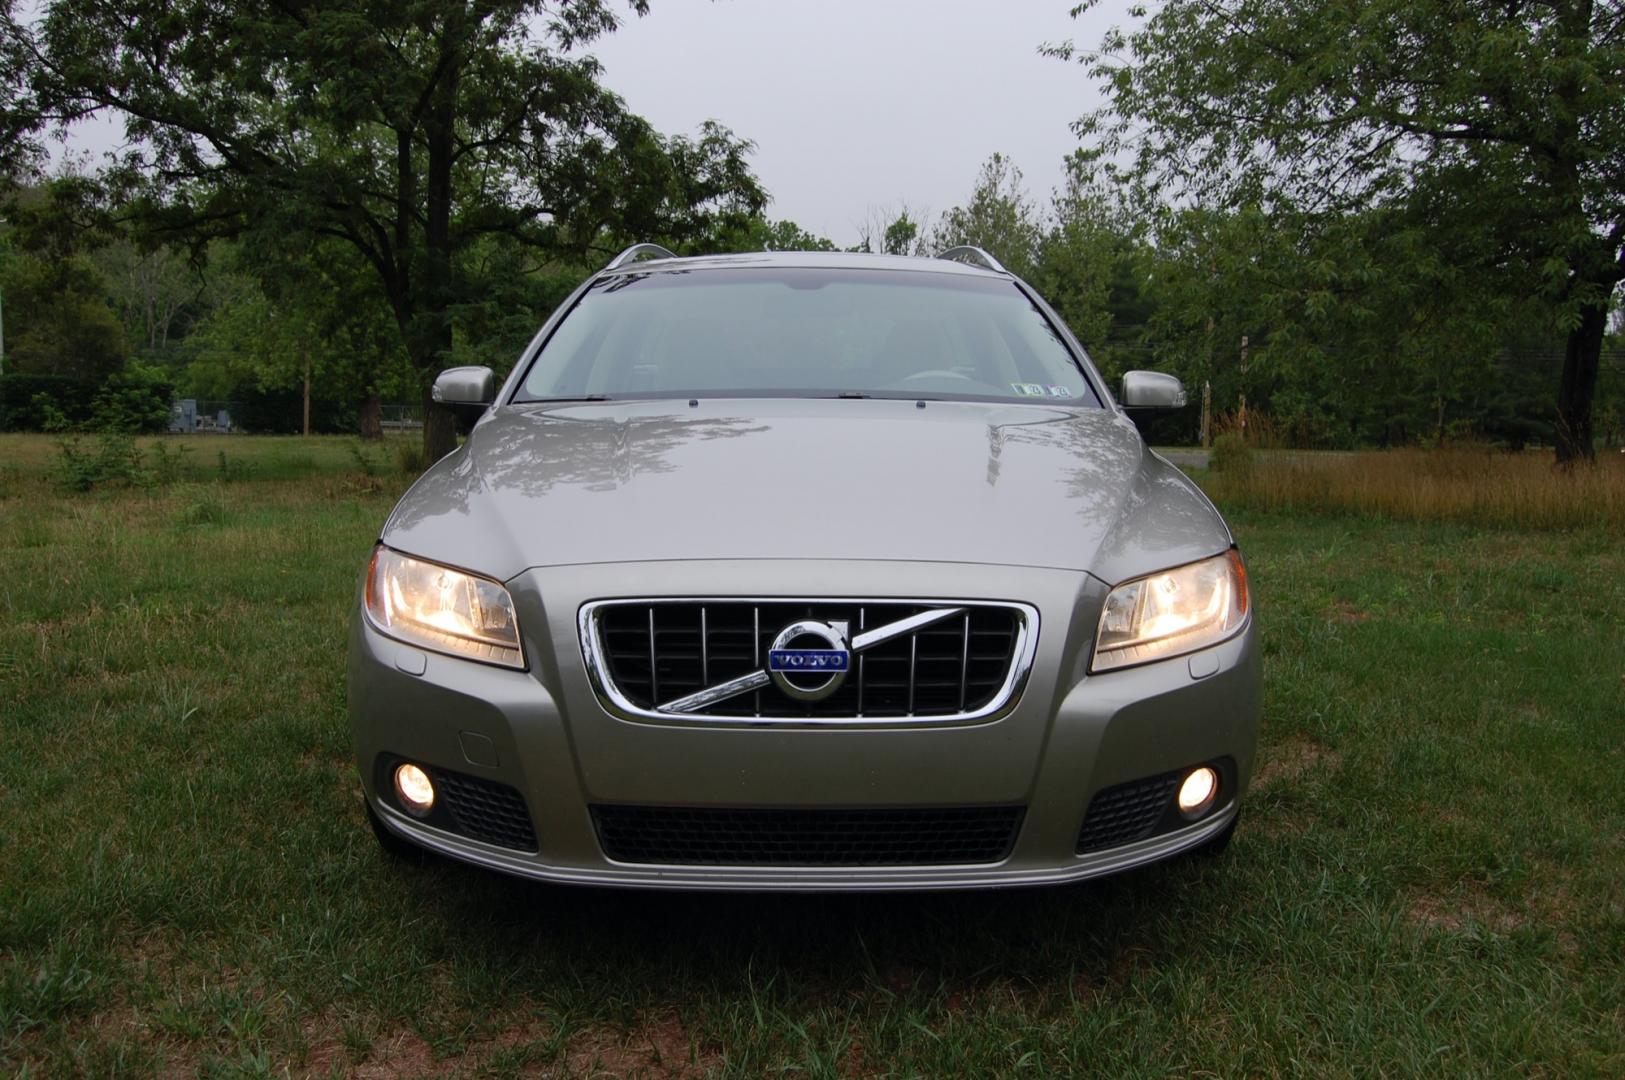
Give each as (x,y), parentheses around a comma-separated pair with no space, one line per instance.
(466,391)
(1152,390)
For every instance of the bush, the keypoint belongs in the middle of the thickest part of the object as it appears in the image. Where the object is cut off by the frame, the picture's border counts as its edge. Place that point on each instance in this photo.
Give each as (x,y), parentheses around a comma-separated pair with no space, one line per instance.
(363,458)
(135,400)
(1231,454)
(208,509)
(116,460)
(167,464)
(281,412)
(51,418)
(410,458)
(232,472)
(34,402)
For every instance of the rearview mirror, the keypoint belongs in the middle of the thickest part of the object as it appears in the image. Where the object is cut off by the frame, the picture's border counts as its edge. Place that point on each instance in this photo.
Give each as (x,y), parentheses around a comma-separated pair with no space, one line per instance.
(1152,390)
(466,391)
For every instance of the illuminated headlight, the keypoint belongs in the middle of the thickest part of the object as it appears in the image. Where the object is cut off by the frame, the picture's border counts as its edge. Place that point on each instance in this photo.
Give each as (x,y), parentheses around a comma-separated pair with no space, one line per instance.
(442,609)
(1176,611)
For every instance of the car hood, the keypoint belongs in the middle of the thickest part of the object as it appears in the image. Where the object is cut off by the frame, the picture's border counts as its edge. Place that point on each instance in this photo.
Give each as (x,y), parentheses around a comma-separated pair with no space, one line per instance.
(1029,485)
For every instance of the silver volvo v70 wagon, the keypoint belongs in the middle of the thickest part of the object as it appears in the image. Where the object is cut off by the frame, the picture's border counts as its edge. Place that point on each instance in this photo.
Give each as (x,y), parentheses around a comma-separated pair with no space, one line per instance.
(804,571)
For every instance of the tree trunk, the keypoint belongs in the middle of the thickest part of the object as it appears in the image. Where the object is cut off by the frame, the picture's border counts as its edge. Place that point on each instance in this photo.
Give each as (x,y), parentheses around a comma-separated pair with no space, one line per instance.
(430,345)
(439,429)
(439,425)
(371,417)
(1581,358)
(307,391)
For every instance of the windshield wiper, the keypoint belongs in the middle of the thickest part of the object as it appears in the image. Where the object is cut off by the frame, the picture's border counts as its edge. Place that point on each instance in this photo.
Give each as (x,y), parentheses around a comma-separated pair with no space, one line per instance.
(852,394)
(566,400)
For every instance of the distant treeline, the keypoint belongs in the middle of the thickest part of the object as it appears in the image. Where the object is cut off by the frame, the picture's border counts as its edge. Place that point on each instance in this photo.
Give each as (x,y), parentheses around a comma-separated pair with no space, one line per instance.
(1341,225)
(1225,301)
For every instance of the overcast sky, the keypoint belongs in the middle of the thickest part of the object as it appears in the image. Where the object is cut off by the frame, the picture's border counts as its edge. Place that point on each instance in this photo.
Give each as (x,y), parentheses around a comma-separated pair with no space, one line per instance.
(856,104)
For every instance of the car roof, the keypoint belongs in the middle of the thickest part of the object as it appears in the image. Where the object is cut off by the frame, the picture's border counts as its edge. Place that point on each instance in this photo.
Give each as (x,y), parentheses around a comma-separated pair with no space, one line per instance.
(810,260)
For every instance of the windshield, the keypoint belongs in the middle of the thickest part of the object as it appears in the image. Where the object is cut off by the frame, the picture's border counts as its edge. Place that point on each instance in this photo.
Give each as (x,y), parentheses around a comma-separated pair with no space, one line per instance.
(805,332)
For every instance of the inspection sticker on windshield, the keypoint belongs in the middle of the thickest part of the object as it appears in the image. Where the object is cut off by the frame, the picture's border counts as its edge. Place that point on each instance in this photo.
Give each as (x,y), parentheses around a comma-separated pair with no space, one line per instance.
(1032,389)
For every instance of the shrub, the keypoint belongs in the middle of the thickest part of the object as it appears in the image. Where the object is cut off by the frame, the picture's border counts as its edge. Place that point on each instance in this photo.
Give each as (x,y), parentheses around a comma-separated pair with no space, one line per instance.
(1231,454)
(1260,430)
(363,458)
(115,460)
(135,400)
(208,509)
(233,471)
(50,418)
(410,458)
(30,402)
(281,412)
(167,463)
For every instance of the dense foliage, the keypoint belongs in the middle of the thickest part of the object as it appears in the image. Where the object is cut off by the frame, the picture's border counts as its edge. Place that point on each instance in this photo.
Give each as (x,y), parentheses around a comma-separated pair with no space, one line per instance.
(282,237)
(1447,137)
(411,134)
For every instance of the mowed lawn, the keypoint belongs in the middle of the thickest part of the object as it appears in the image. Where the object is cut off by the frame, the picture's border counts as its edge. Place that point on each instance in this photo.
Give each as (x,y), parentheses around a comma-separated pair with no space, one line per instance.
(1429,877)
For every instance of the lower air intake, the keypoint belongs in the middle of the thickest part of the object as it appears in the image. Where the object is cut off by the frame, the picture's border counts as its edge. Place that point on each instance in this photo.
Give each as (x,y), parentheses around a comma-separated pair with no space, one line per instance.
(486,810)
(1126,813)
(712,836)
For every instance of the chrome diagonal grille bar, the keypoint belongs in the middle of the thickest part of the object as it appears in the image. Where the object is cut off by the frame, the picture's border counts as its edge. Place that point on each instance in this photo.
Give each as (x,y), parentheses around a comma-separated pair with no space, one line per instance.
(882,634)
(807,660)
(711,695)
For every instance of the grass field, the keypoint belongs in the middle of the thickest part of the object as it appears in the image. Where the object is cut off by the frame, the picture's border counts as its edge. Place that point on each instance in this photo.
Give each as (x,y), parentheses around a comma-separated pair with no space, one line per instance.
(1427,878)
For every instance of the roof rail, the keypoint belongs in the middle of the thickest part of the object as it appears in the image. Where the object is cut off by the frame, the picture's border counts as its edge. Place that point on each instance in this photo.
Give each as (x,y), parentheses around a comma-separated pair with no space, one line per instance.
(638,251)
(967,254)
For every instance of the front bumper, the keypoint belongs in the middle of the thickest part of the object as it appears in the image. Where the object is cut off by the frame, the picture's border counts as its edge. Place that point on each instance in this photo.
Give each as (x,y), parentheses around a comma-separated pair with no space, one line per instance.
(544,733)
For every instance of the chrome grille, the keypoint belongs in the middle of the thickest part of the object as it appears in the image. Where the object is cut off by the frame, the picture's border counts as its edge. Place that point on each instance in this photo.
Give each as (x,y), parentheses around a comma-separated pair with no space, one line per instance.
(968,661)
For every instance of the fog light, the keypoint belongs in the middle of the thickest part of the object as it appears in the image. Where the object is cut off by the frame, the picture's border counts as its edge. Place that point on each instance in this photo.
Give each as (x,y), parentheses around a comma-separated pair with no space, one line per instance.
(1197,792)
(415,790)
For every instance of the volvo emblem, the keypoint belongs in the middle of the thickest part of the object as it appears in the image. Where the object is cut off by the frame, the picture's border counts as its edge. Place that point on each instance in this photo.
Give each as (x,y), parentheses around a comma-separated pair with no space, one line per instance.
(809,659)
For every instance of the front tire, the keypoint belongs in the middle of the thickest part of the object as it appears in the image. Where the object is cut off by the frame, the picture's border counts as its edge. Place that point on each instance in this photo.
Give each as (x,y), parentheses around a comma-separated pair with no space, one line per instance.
(396,847)
(1215,847)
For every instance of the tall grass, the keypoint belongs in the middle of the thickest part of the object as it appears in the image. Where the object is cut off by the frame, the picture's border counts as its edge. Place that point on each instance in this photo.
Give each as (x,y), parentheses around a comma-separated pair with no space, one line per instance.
(1469,485)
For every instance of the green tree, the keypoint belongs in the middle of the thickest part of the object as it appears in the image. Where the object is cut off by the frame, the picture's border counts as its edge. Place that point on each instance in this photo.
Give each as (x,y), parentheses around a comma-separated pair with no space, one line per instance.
(153,290)
(1502,120)
(899,231)
(1081,256)
(788,236)
(755,232)
(1348,328)
(406,131)
(1000,218)
(296,319)
(57,321)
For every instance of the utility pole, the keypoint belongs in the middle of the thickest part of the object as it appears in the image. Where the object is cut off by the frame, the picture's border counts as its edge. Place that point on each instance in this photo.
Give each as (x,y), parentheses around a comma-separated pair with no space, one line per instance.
(1243,416)
(2,334)
(1207,385)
